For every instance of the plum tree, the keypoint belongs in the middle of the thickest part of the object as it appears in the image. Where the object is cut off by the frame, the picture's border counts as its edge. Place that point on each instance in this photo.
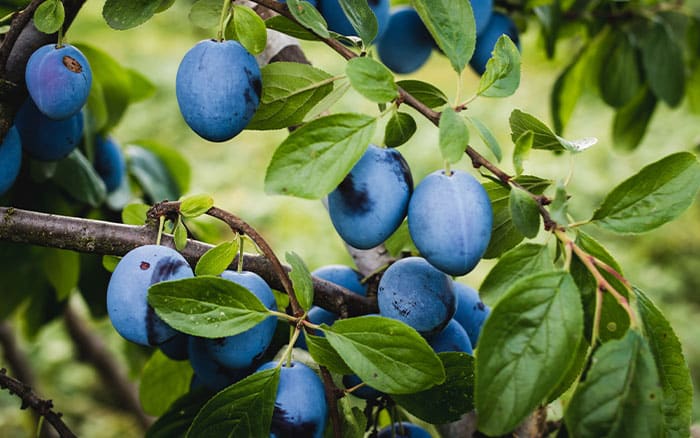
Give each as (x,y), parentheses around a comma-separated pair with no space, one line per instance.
(498,24)
(406,44)
(338,21)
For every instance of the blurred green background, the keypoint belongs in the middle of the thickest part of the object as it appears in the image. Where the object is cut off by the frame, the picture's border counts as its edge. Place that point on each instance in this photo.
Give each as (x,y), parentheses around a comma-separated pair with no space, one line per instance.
(664,263)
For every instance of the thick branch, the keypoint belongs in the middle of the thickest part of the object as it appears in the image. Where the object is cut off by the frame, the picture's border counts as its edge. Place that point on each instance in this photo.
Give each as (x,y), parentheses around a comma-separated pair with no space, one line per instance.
(40,406)
(107,238)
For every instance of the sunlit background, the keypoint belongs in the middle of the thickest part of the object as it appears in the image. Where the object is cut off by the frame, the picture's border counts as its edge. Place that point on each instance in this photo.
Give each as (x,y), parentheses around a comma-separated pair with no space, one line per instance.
(664,263)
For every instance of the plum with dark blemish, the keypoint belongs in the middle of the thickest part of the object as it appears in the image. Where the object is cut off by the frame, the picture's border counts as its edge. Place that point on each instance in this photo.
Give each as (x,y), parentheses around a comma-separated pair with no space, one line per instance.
(109,162)
(406,45)
(416,293)
(46,139)
(10,159)
(300,405)
(403,430)
(498,24)
(241,350)
(176,347)
(452,338)
(338,21)
(471,311)
(218,88)
(372,200)
(450,219)
(127,292)
(210,373)
(58,80)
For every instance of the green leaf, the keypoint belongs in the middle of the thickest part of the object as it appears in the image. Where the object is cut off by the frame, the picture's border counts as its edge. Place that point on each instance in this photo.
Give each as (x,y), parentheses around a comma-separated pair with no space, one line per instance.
(76,175)
(452,25)
(568,88)
(62,270)
(301,280)
(400,241)
(631,121)
(135,214)
(206,13)
(151,173)
(110,262)
(386,354)
(454,135)
(207,306)
(180,235)
(324,354)
(657,194)
(519,262)
(122,15)
(371,79)
(426,93)
(243,409)
(621,395)
(179,417)
(291,28)
(619,78)
(49,16)
(544,138)
(523,146)
(558,209)
(250,29)
(308,17)
(504,235)
(290,90)
(362,19)
(673,370)
(399,129)
(448,401)
(163,381)
(502,75)
(353,421)
(315,158)
(573,373)
(195,205)
(525,212)
(217,260)
(662,58)
(525,346)
(177,165)
(141,87)
(487,137)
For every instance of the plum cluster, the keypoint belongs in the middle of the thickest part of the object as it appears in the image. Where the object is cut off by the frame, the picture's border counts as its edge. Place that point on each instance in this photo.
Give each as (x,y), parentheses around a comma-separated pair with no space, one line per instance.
(403,42)
(50,123)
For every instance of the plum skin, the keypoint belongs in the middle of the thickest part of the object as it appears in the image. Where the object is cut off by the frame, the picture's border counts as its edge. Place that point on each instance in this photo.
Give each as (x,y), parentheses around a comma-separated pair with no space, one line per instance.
(452,338)
(46,139)
(338,22)
(483,10)
(406,44)
(58,80)
(471,311)
(127,292)
(300,404)
(218,88)
(109,162)
(498,25)
(241,350)
(450,220)
(10,159)
(416,293)
(372,200)
(410,430)
(209,372)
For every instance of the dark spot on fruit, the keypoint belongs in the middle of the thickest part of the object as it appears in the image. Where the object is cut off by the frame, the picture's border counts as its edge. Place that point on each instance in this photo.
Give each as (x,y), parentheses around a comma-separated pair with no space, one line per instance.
(283,427)
(355,198)
(249,98)
(398,165)
(254,82)
(373,3)
(144,266)
(219,341)
(151,321)
(481,306)
(72,64)
(166,268)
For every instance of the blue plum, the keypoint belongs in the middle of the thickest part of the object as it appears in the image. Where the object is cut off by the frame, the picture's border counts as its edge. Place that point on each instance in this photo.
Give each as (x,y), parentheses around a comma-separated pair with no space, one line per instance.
(176,347)
(449,219)
(218,88)
(10,159)
(471,311)
(300,405)
(127,292)
(452,338)
(109,162)
(499,24)
(46,139)
(483,10)
(58,80)
(210,373)
(414,292)
(338,21)
(371,202)
(241,350)
(403,430)
(406,44)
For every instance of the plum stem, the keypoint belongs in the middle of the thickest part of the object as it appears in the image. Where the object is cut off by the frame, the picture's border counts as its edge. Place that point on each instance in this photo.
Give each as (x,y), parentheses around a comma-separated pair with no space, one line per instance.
(161,224)
(222,20)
